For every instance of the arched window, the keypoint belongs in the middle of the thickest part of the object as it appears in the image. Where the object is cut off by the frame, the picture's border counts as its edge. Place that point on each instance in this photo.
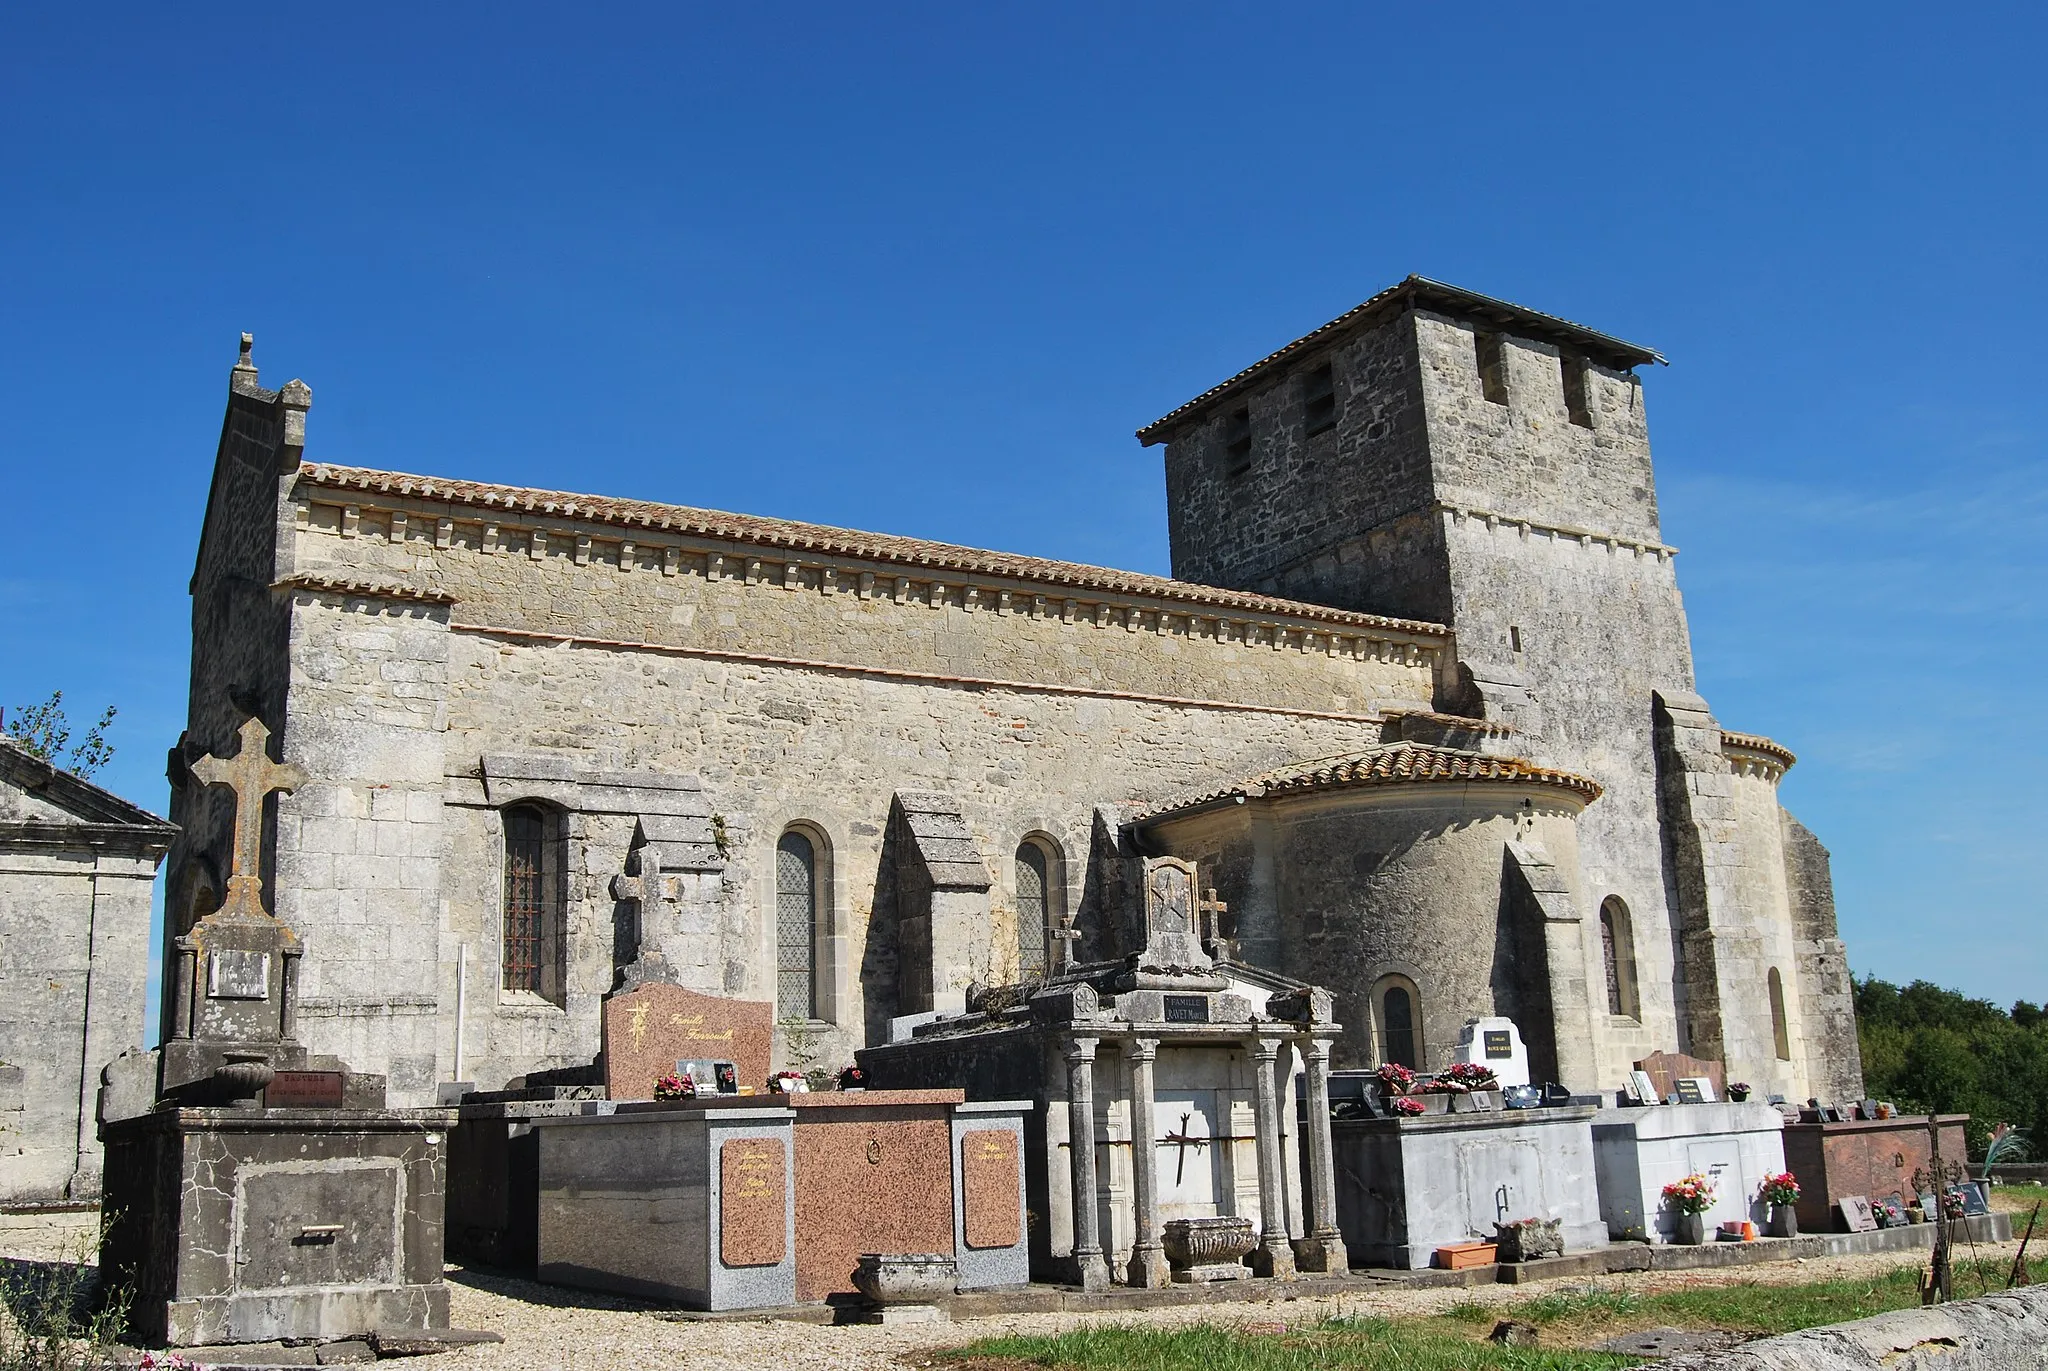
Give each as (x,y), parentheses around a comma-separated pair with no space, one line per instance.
(1397,1015)
(530,956)
(1618,952)
(1781,1035)
(796,925)
(1034,907)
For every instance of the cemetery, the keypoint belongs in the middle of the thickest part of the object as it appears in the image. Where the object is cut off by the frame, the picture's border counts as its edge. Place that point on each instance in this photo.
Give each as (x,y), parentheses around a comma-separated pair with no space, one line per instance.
(1167,1118)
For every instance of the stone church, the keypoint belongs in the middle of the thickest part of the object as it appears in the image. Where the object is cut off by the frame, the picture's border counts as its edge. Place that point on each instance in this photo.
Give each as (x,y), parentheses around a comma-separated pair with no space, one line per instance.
(1418,700)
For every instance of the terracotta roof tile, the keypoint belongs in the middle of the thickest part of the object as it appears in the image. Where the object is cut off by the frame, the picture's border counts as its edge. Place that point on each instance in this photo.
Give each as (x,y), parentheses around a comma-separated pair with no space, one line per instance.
(1386,764)
(1756,742)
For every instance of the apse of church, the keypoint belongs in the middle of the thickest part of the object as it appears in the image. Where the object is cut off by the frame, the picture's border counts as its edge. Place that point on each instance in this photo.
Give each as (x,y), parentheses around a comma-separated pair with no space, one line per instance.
(556,745)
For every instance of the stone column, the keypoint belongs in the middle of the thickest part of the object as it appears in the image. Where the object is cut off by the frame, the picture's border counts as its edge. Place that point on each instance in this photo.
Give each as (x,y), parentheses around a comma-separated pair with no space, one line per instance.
(1273,1256)
(1322,1248)
(1090,1271)
(1148,1268)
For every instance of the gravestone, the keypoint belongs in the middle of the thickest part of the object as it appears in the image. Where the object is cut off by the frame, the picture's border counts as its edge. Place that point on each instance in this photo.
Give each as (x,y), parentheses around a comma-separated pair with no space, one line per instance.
(648,1030)
(1665,1069)
(1496,1044)
(267,1195)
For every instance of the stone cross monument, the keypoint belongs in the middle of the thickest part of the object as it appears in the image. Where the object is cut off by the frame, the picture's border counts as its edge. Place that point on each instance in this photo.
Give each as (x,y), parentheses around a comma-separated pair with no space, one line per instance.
(234,981)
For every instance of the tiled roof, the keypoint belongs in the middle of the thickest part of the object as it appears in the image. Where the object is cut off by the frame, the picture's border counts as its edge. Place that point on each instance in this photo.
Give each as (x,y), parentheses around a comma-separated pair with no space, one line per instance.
(1386,764)
(787,535)
(1756,742)
(1420,292)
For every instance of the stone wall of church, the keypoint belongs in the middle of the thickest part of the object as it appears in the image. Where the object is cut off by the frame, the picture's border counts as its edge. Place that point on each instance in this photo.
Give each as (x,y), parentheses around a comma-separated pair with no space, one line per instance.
(796,698)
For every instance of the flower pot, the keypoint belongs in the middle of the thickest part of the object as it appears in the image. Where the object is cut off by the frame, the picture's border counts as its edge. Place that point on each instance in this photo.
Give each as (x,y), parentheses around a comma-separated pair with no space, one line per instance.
(1207,1242)
(913,1278)
(1435,1102)
(1784,1221)
(1689,1230)
(1738,1096)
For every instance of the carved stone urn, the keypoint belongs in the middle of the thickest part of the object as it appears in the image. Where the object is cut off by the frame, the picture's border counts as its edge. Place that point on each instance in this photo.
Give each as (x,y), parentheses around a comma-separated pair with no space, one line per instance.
(1195,1245)
(905,1278)
(242,1078)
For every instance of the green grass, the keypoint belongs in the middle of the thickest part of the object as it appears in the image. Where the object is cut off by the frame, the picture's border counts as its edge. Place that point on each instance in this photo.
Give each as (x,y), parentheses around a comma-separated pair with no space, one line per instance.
(1454,1340)
(2021,1198)
(1334,1343)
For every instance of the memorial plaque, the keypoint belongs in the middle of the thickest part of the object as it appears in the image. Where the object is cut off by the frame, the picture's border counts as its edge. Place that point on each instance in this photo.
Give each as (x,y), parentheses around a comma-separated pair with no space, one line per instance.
(648,1030)
(303,1090)
(1187,1009)
(988,1184)
(1857,1213)
(235,973)
(753,1209)
(1499,1045)
(1693,1089)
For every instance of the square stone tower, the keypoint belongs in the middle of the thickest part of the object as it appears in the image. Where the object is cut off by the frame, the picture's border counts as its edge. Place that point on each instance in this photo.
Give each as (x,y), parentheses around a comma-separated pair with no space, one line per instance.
(1439,454)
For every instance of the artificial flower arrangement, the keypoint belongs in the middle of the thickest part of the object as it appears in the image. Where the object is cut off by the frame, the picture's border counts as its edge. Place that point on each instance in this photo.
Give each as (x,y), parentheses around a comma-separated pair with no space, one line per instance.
(1407,1106)
(788,1083)
(1779,1190)
(1396,1079)
(1461,1078)
(167,1361)
(852,1078)
(1694,1194)
(675,1087)
(1738,1091)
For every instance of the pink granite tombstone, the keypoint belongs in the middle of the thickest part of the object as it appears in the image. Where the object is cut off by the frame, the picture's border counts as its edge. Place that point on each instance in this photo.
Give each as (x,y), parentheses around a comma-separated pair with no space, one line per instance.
(649,1029)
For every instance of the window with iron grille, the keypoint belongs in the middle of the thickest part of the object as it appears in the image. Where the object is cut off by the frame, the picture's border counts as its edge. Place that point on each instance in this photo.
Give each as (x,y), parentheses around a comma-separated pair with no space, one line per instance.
(1032,884)
(796,924)
(528,898)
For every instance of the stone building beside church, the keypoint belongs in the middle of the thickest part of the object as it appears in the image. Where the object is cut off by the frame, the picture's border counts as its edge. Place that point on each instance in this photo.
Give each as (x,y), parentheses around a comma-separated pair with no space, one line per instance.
(1418,699)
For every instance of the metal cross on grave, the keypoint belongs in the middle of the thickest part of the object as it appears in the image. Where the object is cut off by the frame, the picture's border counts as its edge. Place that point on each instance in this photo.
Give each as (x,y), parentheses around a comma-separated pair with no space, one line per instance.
(1184,1140)
(252,776)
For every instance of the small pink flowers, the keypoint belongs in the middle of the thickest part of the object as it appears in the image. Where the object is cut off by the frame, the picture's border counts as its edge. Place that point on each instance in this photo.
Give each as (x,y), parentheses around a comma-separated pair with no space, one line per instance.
(674,1087)
(1407,1106)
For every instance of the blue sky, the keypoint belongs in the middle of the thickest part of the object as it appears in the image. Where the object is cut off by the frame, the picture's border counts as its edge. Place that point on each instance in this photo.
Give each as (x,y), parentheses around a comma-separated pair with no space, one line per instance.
(924,269)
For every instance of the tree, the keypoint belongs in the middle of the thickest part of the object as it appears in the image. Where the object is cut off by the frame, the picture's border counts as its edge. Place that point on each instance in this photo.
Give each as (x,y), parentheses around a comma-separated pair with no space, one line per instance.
(1928,1048)
(45,731)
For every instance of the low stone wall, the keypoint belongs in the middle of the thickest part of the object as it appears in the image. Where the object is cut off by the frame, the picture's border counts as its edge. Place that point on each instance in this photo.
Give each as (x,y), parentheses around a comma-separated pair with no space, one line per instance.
(2003,1332)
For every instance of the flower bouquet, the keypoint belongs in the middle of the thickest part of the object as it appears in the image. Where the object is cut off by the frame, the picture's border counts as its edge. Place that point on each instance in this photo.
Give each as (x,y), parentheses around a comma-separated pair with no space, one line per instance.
(675,1087)
(1395,1079)
(1407,1106)
(1689,1198)
(1779,1193)
(852,1078)
(788,1083)
(1461,1078)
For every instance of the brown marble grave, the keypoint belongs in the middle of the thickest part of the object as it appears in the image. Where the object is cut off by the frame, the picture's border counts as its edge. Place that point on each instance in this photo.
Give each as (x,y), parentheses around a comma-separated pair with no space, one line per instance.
(753,1176)
(1665,1068)
(988,1187)
(873,1174)
(649,1029)
(1875,1158)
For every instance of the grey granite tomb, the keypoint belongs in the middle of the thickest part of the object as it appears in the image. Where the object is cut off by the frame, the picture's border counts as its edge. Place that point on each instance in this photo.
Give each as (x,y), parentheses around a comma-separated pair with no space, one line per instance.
(255,1194)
